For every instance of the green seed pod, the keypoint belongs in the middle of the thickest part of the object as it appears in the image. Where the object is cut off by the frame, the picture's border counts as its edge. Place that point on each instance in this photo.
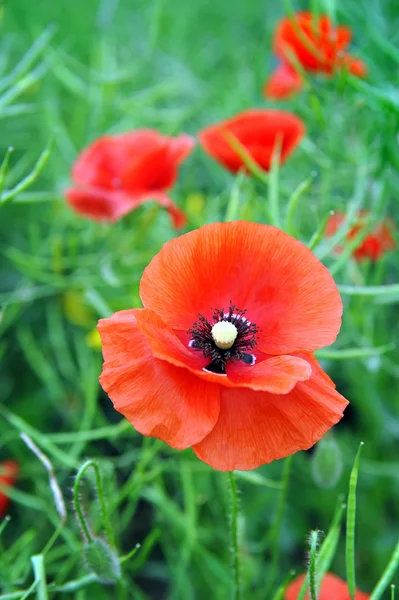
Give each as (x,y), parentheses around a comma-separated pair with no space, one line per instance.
(102,561)
(326,463)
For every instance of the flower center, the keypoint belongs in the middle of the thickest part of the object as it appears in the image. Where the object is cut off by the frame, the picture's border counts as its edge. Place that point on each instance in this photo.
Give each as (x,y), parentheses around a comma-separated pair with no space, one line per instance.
(226,336)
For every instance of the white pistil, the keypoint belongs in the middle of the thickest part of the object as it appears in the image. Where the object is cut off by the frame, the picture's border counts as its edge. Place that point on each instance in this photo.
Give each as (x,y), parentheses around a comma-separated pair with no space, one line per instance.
(224,334)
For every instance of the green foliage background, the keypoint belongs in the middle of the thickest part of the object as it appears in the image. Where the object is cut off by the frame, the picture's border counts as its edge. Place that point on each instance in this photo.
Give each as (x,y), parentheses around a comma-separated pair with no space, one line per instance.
(110,66)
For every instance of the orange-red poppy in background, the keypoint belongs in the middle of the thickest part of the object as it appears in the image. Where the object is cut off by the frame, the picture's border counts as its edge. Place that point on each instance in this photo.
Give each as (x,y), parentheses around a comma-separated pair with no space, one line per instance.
(118,173)
(317,45)
(8,475)
(376,243)
(332,588)
(259,132)
(221,357)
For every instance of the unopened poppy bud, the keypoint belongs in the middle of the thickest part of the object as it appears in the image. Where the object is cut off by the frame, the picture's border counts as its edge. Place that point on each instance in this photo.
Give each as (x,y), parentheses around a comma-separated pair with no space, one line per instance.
(102,561)
(327,463)
(224,334)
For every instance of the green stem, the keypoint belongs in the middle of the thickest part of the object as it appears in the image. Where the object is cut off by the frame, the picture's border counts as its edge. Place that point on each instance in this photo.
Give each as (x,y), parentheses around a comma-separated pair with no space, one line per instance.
(314,538)
(277,522)
(387,575)
(77,504)
(233,206)
(234,514)
(78,507)
(40,576)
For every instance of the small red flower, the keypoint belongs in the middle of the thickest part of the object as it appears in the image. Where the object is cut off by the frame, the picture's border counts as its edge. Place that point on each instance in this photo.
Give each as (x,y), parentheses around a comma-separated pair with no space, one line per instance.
(8,475)
(374,245)
(332,588)
(283,83)
(258,131)
(118,173)
(317,45)
(221,357)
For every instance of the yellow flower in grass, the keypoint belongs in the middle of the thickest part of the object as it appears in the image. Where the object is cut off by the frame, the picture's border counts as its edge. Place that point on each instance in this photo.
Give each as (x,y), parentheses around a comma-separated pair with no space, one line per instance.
(75,309)
(93,339)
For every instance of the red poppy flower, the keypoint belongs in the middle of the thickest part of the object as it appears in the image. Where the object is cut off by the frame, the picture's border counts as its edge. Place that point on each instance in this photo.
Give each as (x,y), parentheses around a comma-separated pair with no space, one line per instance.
(221,357)
(258,131)
(332,588)
(317,45)
(374,245)
(8,475)
(283,83)
(118,173)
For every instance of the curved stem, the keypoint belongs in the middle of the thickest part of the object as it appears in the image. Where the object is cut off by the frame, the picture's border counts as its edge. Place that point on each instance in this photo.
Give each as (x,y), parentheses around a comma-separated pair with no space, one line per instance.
(234,514)
(78,507)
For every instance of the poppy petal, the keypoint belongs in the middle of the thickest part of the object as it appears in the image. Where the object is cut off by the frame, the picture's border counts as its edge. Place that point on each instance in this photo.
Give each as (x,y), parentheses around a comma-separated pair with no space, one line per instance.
(177,216)
(8,475)
(314,41)
(283,83)
(275,374)
(285,289)
(158,399)
(302,36)
(140,175)
(97,165)
(342,36)
(355,66)
(258,131)
(104,205)
(255,428)
(100,204)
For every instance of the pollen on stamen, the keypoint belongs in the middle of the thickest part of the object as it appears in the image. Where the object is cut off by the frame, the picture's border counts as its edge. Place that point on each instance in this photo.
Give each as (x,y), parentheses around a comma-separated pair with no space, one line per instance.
(224,334)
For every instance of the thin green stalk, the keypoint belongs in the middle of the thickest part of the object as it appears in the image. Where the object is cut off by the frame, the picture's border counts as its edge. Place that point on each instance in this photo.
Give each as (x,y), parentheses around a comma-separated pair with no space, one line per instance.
(329,545)
(277,522)
(4,167)
(4,523)
(78,507)
(294,201)
(245,156)
(234,514)
(233,206)
(392,592)
(350,526)
(369,290)
(8,195)
(387,575)
(40,577)
(130,554)
(318,234)
(314,540)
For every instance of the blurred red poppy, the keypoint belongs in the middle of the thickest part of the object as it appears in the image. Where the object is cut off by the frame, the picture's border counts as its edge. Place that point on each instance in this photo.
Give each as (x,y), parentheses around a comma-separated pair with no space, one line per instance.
(8,475)
(283,82)
(317,45)
(118,173)
(221,357)
(259,132)
(332,588)
(376,243)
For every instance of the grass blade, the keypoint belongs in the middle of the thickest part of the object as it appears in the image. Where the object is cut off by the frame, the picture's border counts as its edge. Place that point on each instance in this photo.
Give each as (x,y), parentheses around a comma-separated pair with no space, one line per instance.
(387,575)
(29,179)
(350,526)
